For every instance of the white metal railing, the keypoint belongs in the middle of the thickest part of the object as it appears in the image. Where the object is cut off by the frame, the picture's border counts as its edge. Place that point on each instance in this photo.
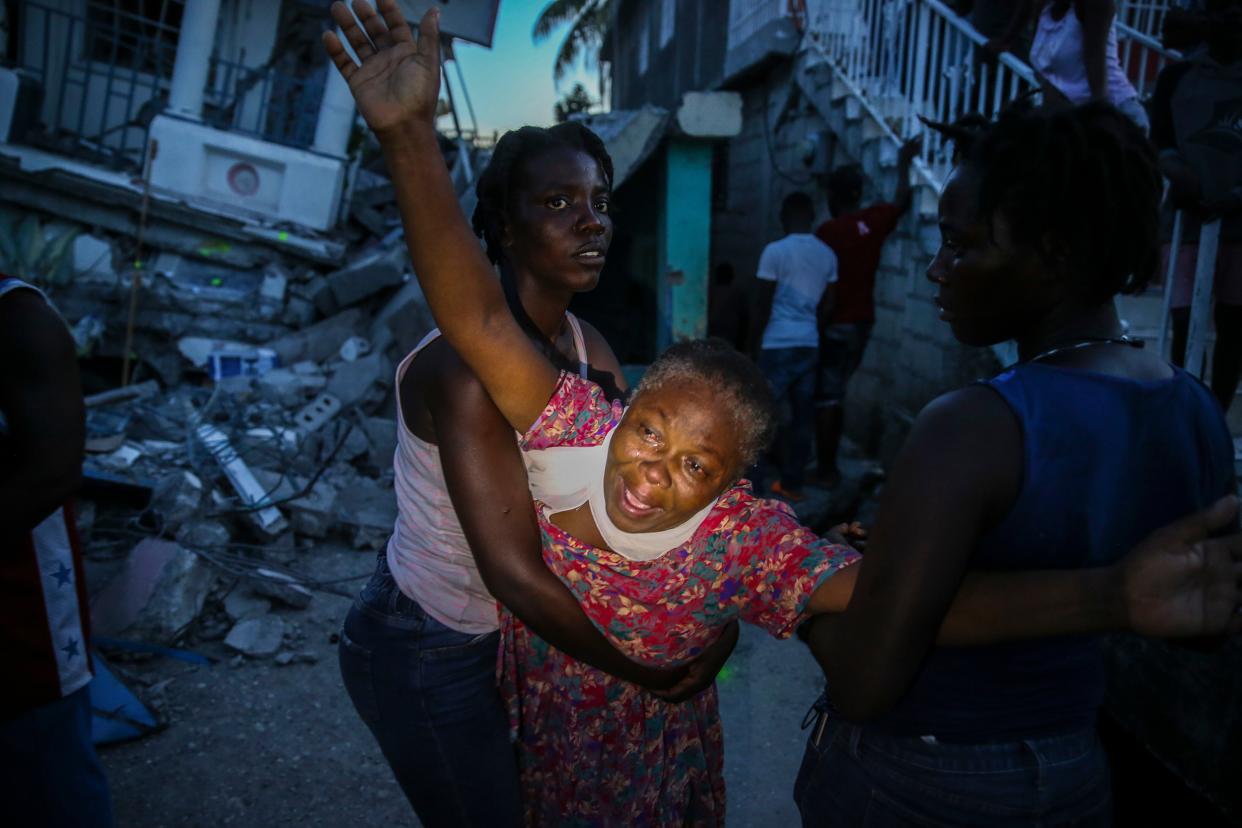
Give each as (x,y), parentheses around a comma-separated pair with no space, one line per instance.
(1144,16)
(905,58)
(914,57)
(1142,56)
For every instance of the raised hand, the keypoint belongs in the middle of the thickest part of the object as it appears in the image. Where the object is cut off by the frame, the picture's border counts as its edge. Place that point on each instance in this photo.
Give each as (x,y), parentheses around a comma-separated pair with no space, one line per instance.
(1179,582)
(398,83)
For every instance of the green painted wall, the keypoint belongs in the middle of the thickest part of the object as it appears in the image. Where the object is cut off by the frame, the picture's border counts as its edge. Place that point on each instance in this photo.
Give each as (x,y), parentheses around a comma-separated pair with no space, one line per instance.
(684,241)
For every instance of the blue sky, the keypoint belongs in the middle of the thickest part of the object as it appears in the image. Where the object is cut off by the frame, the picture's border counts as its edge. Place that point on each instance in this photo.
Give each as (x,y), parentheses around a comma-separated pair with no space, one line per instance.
(511,84)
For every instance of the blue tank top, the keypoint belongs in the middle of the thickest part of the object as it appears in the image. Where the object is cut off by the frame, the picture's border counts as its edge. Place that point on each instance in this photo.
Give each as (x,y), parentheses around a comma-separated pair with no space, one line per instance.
(1107,460)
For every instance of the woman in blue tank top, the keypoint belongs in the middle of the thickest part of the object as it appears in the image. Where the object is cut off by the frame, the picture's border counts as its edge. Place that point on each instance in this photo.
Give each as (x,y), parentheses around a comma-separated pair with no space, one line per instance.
(1064,460)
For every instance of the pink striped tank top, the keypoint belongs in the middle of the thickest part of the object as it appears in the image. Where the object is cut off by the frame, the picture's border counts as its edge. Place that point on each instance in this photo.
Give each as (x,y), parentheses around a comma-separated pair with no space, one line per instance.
(428,554)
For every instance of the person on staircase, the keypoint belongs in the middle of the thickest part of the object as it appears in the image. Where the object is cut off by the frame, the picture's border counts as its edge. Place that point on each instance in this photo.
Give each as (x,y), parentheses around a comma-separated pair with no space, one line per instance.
(796,275)
(1075,56)
(856,235)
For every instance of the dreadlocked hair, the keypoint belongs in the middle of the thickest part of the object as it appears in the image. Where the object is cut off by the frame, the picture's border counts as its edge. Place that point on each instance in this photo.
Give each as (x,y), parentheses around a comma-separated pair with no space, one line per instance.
(1085,177)
(495,191)
(496,184)
(739,387)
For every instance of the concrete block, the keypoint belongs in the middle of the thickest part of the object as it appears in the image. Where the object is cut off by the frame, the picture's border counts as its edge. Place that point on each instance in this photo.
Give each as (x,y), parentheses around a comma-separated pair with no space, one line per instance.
(177,497)
(156,597)
(351,382)
(381,433)
(320,341)
(204,534)
(257,637)
(374,271)
(241,604)
(315,513)
(281,587)
(317,413)
(288,388)
(403,322)
(710,114)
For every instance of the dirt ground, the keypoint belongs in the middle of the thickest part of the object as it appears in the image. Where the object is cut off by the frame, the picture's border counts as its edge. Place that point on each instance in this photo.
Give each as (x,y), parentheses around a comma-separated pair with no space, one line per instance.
(252,743)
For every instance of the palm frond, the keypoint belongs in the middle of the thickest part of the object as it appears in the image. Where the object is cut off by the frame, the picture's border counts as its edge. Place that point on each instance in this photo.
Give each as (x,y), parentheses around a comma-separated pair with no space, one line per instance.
(587,32)
(556,14)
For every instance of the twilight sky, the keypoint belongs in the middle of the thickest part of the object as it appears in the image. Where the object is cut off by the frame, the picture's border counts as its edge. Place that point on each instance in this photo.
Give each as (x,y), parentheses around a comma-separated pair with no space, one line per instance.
(511,84)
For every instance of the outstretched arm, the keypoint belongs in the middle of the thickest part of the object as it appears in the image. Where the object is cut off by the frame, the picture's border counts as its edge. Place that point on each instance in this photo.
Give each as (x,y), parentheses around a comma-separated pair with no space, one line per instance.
(904,196)
(396,87)
(912,589)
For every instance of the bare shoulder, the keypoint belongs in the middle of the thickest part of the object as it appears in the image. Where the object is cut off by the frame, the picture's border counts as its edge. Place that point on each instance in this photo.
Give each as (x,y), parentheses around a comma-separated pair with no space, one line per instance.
(974,417)
(967,443)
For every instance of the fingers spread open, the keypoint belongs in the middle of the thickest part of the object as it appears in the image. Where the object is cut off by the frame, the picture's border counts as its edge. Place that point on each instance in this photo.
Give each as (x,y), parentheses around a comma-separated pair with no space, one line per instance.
(338,55)
(373,24)
(353,32)
(428,46)
(398,29)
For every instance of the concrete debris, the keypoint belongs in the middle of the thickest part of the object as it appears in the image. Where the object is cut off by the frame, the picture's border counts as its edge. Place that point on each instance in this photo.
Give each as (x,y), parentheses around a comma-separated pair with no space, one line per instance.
(320,341)
(204,534)
(257,420)
(241,604)
(177,497)
(268,519)
(317,413)
(281,587)
(357,382)
(285,658)
(354,347)
(383,267)
(156,597)
(257,637)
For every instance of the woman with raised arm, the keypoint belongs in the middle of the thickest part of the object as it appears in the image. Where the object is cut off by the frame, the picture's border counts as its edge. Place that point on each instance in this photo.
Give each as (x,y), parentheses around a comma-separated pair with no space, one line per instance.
(419,649)
(648,521)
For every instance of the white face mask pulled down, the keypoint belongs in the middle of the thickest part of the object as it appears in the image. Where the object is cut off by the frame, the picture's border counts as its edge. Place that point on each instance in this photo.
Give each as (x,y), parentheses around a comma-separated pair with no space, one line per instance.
(565,477)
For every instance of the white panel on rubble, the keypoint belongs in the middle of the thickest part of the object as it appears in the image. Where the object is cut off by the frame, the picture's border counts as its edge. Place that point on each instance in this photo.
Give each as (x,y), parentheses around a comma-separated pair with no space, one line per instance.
(246,177)
(473,20)
(710,114)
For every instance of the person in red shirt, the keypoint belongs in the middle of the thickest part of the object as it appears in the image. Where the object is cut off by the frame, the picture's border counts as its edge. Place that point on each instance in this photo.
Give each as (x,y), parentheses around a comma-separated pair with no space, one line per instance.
(856,234)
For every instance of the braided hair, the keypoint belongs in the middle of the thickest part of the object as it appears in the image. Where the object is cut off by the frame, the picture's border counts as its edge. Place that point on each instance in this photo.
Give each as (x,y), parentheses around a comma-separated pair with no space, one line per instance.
(1085,176)
(497,183)
(496,189)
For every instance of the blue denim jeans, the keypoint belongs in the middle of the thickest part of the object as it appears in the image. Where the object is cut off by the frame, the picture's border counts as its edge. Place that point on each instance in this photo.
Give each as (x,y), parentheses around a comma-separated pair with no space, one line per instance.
(428,694)
(852,776)
(49,773)
(791,375)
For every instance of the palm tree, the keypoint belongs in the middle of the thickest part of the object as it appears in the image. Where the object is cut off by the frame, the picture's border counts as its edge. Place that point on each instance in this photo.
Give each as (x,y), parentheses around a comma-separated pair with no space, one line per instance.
(588,21)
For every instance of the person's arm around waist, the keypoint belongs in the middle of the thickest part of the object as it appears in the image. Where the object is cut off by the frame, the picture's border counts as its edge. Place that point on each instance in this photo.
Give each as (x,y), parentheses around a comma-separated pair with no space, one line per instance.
(487,484)
(912,589)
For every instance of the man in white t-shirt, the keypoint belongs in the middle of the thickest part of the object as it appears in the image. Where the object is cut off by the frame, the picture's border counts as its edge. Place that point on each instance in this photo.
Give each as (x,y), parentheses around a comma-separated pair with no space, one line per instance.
(795,279)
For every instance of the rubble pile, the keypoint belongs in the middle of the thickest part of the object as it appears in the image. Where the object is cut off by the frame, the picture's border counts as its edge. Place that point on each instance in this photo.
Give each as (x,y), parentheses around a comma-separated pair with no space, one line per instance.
(258,421)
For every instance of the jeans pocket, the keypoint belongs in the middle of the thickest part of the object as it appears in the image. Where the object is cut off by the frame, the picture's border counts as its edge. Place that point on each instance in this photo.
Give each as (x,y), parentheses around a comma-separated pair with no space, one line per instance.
(449,644)
(359,676)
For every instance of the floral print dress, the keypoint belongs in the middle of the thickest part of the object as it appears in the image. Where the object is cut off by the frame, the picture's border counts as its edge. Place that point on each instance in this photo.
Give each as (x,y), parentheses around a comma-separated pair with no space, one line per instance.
(594,750)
